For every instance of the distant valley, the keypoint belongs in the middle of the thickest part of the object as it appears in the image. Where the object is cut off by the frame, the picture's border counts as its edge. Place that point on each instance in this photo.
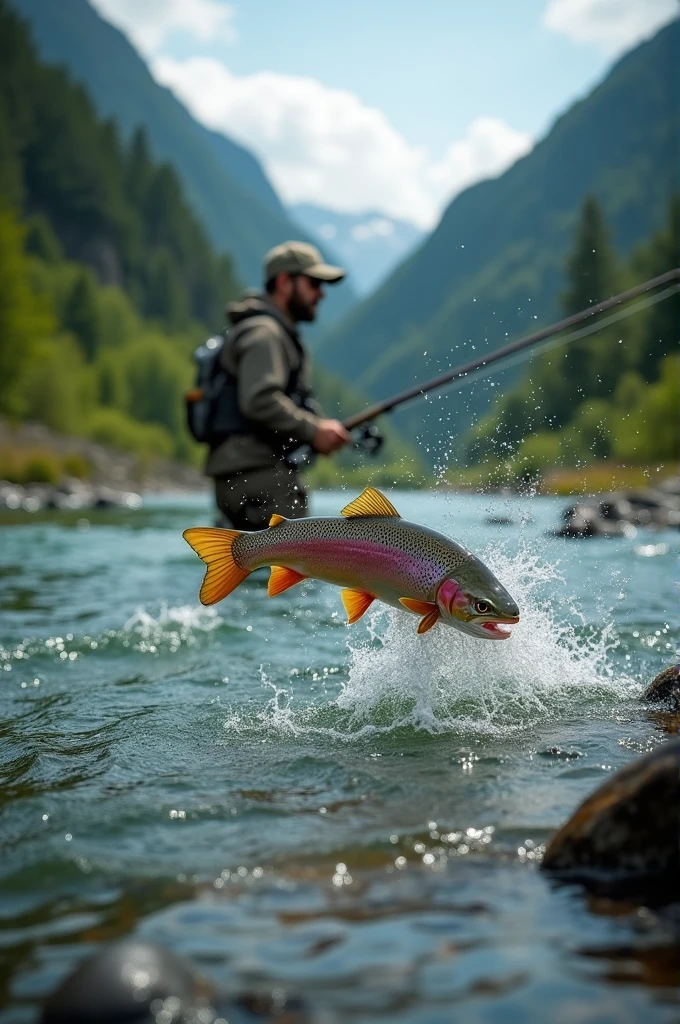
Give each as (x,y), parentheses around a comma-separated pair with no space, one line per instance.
(370,244)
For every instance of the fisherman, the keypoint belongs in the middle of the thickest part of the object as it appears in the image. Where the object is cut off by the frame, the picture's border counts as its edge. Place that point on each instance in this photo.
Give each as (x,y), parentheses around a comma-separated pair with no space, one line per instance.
(272,411)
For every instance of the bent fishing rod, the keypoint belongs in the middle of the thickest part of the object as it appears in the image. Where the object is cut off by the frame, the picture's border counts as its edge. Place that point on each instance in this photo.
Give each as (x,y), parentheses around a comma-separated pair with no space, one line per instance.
(369,440)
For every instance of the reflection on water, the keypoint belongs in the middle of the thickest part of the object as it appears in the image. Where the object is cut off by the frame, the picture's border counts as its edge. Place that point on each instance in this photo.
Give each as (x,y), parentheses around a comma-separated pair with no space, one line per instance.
(354,814)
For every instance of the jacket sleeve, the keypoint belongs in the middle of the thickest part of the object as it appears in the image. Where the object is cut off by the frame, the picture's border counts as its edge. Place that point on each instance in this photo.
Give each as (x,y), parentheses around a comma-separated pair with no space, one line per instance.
(263,371)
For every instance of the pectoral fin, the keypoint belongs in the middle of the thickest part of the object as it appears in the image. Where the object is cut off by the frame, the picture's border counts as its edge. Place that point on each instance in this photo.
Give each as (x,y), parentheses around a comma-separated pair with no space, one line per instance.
(428,621)
(419,607)
(282,579)
(356,602)
(427,609)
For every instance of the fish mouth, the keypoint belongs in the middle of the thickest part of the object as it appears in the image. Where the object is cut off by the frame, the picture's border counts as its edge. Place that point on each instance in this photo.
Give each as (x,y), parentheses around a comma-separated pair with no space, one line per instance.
(495,631)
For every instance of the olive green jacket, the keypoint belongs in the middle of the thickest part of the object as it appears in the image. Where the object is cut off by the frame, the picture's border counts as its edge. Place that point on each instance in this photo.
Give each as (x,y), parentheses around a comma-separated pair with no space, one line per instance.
(261,351)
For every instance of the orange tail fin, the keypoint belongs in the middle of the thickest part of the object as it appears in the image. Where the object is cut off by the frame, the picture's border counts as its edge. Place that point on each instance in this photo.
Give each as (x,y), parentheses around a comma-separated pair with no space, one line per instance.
(214,547)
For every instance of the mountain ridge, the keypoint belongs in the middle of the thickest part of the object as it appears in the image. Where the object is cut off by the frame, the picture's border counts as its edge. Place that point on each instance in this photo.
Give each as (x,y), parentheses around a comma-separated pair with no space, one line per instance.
(224,182)
(492,268)
(371,242)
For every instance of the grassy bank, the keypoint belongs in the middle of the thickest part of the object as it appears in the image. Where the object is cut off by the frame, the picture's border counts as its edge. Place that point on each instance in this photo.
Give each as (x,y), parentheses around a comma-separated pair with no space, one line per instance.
(596,478)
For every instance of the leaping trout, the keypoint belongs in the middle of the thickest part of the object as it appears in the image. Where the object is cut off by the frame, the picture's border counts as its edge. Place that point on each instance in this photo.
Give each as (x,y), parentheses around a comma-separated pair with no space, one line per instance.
(373,554)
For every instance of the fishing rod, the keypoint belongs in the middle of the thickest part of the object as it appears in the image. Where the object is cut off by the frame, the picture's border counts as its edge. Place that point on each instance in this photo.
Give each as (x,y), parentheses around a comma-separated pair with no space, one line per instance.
(670,277)
(367,437)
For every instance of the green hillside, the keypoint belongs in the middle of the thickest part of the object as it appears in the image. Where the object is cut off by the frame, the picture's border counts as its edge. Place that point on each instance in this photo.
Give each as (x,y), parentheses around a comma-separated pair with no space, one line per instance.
(493,267)
(223,181)
(108,280)
(107,204)
(612,395)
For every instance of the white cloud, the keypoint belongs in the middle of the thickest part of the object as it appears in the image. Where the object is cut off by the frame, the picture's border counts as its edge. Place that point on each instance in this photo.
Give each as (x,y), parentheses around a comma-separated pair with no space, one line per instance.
(377,227)
(148,23)
(613,25)
(489,147)
(327,231)
(324,146)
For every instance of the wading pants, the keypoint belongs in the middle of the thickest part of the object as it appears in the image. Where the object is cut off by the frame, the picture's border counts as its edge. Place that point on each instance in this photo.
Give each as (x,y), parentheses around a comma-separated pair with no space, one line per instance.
(248,500)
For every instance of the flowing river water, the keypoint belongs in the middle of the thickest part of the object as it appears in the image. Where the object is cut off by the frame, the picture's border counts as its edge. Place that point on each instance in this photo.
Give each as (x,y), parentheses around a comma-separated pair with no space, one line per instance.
(354,814)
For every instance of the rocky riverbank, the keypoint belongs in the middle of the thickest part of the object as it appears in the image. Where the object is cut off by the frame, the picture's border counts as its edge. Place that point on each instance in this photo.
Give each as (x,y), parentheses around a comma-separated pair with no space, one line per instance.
(40,469)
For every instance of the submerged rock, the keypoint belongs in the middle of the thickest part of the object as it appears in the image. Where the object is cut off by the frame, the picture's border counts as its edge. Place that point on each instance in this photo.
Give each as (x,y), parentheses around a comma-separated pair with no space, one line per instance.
(128,981)
(135,982)
(622,513)
(69,495)
(664,689)
(625,838)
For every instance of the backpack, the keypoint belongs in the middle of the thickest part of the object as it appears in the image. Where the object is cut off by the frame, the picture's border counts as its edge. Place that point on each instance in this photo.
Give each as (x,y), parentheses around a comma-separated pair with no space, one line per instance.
(212,409)
(204,399)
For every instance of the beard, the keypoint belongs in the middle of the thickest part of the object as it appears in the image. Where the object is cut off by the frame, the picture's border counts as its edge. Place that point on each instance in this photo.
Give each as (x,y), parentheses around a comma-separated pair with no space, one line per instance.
(300,309)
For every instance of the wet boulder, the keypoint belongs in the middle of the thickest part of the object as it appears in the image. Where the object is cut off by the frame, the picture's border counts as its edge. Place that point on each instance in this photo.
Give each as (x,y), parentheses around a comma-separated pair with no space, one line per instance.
(625,838)
(622,513)
(129,981)
(664,689)
(588,519)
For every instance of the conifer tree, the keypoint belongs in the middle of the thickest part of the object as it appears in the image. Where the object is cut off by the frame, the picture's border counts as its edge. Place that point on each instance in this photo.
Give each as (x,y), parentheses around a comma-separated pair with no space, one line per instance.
(41,240)
(25,319)
(166,297)
(81,315)
(138,170)
(590,268)
(660,334)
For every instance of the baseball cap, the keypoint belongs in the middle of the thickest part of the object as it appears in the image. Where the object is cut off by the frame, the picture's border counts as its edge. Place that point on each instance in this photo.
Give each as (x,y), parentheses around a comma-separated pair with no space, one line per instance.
(300,258)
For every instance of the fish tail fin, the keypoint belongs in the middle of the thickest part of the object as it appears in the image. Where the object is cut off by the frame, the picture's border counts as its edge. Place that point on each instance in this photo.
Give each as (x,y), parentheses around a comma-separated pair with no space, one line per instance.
(224,573)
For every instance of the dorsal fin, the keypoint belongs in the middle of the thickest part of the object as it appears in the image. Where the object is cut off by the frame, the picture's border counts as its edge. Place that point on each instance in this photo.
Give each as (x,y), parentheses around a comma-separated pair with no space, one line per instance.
(370,503)
(276,519)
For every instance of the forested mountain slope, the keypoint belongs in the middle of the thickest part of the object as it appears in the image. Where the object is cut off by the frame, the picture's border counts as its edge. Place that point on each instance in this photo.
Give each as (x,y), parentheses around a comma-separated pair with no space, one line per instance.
(493,267)
(223,181)
(108,279)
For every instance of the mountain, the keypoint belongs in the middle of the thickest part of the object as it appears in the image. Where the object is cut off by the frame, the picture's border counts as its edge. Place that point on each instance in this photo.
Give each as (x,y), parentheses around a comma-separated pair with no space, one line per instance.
(224,183)
(369,244)
(493,267)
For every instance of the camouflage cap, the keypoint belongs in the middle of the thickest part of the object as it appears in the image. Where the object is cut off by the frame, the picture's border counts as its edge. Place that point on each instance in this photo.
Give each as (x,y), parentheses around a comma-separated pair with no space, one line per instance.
(300,258)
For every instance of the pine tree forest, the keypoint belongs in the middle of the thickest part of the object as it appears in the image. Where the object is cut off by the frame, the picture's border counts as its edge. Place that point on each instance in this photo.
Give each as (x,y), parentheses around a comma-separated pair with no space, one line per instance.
(612,395)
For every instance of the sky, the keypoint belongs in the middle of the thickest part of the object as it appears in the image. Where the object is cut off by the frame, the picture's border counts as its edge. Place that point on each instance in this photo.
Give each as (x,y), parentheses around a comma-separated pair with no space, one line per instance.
(391,106)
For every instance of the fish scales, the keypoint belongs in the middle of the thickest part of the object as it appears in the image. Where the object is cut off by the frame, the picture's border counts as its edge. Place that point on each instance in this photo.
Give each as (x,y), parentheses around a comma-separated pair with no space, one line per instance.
(390,557)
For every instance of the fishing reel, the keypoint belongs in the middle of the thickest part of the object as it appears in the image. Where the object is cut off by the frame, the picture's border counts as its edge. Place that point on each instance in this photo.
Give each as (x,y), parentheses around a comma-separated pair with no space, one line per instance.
(367,439)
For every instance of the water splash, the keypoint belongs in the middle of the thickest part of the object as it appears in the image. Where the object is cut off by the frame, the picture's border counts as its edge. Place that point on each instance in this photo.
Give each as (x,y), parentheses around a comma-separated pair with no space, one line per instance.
(183,619)
(167,631)
(555,664)
(549,667)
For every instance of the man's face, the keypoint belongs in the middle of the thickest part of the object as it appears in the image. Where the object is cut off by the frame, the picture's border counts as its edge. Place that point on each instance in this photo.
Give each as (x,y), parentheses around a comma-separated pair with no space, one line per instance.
(305,295)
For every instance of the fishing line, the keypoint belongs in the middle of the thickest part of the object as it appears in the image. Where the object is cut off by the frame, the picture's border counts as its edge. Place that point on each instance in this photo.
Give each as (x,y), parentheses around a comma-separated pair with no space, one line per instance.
(519,357)
(529,342)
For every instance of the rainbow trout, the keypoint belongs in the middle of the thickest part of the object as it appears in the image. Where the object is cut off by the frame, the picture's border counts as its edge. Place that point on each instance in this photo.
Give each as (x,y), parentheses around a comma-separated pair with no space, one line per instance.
(373,554)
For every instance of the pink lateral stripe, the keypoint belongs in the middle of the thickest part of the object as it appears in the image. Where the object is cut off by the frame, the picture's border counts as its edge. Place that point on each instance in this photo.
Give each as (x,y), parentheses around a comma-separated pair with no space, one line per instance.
(371,558)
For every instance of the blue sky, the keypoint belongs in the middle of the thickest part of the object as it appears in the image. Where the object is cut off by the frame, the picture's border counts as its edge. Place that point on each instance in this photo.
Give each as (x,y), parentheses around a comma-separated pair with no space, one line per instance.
(382,104)
(431,67)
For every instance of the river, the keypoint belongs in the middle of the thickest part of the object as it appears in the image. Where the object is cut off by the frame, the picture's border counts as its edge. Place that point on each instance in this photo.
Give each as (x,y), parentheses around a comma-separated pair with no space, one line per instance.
(355,814)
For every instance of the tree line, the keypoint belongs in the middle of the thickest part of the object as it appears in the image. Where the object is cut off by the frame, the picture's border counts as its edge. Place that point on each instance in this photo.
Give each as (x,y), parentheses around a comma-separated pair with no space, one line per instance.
(612,395)
(108,281)
(108,278)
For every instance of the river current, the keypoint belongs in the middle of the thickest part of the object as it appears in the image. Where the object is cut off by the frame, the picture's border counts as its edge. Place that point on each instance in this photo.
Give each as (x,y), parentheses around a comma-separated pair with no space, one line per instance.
(353,814)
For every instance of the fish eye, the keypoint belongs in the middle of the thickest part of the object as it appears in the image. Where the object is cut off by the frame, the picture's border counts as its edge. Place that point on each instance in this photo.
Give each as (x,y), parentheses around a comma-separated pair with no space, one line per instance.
(482,607)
